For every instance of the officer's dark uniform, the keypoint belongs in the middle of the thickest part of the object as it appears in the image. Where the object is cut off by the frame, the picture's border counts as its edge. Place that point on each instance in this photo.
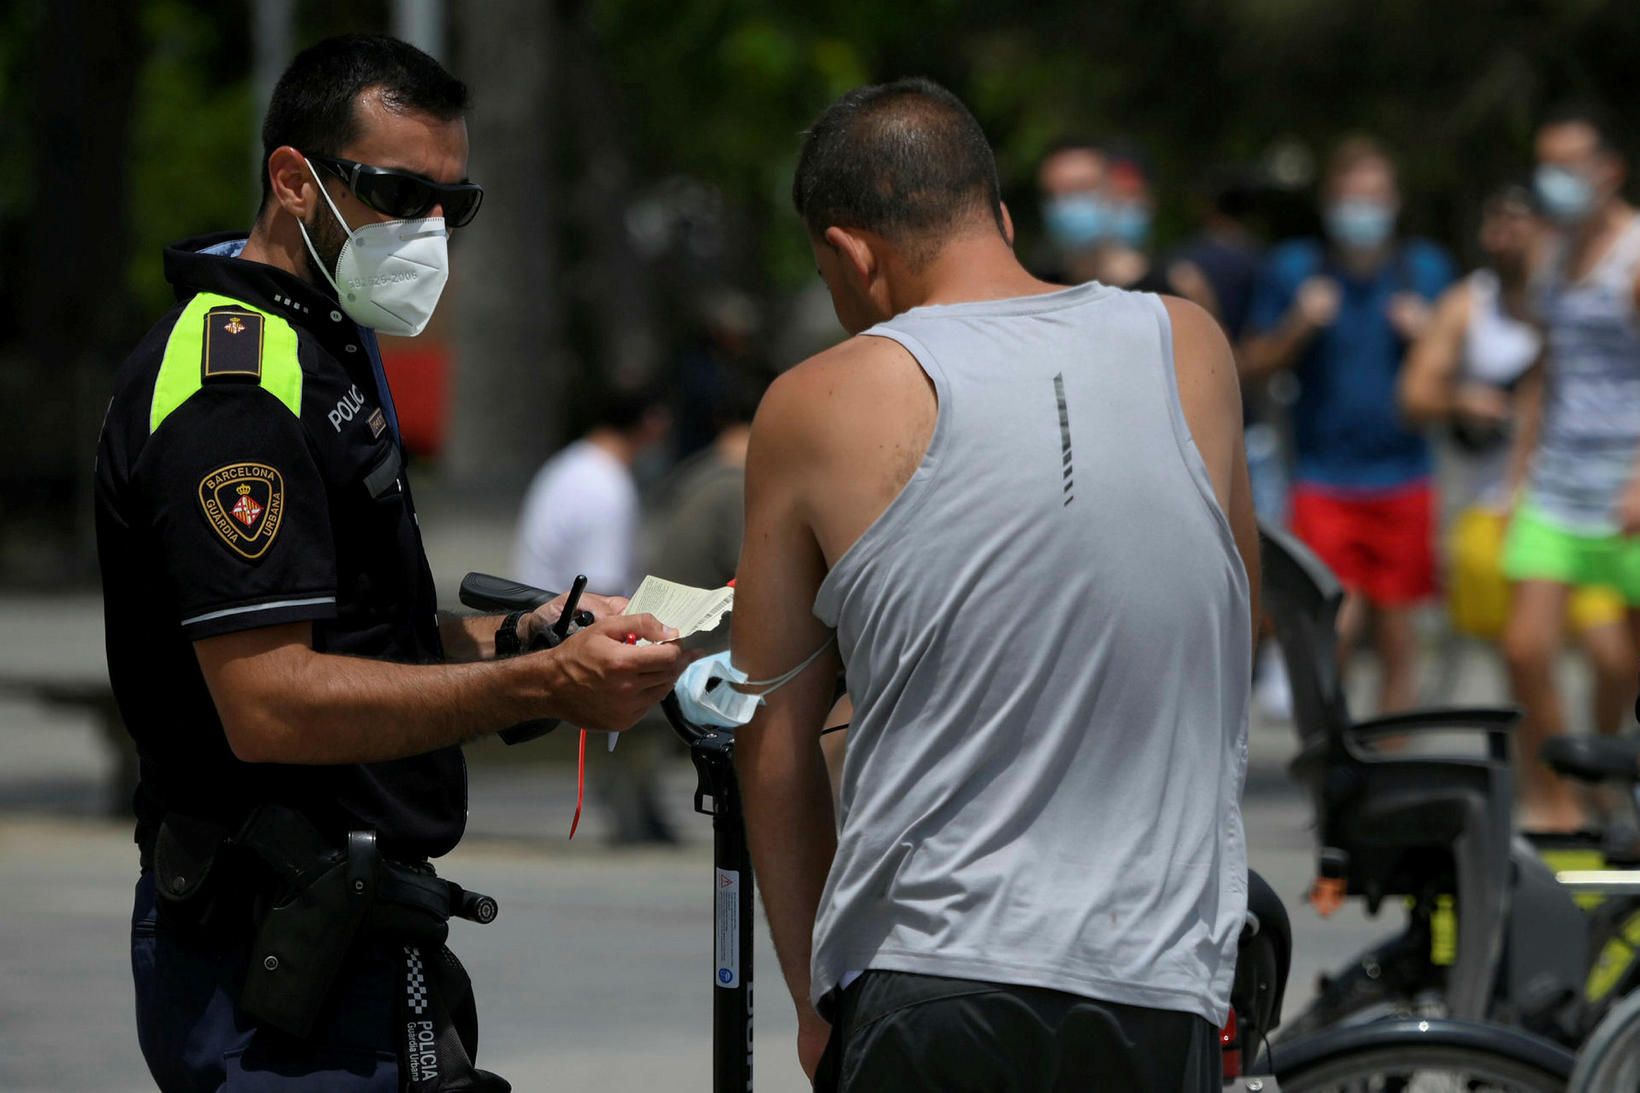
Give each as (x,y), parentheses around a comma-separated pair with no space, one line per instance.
(250,474)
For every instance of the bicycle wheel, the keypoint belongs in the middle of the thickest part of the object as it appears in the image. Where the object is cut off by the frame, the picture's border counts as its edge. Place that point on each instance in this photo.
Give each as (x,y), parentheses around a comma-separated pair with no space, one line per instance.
(1423,1069)
(1423,1057)
(1610,1058)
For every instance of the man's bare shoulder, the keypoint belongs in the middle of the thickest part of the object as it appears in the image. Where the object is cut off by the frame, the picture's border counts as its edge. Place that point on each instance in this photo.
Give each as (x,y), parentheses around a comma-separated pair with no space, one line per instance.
(811,399)
(1202,360)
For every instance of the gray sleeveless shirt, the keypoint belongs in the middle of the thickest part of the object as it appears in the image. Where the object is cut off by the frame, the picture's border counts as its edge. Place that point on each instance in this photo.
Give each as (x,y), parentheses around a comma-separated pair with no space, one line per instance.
(1047,640)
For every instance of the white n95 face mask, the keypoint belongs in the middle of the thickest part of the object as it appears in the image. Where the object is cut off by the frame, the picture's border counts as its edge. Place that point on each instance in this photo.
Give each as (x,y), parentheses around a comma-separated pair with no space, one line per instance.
(707,694)
(390,275)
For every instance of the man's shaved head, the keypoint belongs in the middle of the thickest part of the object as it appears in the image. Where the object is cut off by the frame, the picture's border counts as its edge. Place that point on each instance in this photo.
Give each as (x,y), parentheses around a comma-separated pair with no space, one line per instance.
(905,160)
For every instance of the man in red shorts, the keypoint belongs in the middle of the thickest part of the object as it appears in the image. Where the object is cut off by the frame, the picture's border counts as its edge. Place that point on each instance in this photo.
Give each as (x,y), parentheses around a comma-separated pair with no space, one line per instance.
(1340,312)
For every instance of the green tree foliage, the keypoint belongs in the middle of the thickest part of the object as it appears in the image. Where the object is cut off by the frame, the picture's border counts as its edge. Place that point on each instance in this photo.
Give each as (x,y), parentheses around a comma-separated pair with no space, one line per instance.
(192,160)
(720,89)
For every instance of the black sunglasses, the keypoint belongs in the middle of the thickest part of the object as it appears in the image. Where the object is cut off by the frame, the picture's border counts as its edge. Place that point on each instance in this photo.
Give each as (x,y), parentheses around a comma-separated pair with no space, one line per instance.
(405,196)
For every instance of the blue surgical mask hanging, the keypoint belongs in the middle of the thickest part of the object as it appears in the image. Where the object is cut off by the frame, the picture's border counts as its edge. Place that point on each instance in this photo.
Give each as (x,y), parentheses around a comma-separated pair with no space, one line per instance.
(709,691)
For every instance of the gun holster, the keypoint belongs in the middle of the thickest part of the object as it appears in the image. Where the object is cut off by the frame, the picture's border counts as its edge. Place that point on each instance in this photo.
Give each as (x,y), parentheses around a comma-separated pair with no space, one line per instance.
(312,901)
(303,939)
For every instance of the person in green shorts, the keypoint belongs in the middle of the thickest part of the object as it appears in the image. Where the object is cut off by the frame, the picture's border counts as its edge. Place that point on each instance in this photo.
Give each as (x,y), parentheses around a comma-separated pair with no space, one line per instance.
(1578,524)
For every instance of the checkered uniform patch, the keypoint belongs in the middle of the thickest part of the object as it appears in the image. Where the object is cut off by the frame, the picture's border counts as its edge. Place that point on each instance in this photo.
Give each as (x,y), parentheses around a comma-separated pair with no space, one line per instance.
(415,982)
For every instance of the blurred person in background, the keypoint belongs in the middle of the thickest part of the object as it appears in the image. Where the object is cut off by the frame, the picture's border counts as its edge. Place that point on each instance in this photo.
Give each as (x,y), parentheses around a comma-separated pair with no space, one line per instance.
(1217,269)
(1462,376)
(580,514)
(1096,210)
(1340,312)
(1578,524)
(1124,260)
(691,535)
(1218,266)
(694,532)
(722,346)
(1076,214)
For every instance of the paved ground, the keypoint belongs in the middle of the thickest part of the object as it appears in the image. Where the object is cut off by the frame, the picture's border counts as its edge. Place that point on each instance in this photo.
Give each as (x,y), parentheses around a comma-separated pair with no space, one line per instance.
(596,976)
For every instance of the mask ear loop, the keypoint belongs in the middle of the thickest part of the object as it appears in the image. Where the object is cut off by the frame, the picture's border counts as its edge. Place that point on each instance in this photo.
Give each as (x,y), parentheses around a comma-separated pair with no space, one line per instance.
(770,686)
(334,211)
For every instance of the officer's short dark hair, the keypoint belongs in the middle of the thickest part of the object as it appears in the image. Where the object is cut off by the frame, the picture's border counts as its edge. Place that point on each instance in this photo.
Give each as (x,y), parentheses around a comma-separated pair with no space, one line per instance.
(905,160)
(1591,114)
(314,107)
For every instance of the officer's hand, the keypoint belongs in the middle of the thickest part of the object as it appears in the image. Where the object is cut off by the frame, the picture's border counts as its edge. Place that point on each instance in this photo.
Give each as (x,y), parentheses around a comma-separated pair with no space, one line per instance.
(601,682)
(542,618)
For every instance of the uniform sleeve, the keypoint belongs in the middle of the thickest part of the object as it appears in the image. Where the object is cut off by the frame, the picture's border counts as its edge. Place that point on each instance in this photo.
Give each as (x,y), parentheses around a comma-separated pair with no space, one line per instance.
(239,513)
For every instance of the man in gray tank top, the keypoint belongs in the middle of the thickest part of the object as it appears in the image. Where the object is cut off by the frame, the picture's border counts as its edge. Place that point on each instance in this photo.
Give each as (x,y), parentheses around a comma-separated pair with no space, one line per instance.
(1024,511)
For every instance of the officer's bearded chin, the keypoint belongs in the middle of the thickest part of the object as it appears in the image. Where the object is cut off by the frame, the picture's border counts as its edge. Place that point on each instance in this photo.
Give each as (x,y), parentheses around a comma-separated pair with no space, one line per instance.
(328,239)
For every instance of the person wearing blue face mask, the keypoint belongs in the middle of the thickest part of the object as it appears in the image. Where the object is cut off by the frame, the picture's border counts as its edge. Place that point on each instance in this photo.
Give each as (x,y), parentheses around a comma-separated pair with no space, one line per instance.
(1340,312)
(1577,522)
(1076,212)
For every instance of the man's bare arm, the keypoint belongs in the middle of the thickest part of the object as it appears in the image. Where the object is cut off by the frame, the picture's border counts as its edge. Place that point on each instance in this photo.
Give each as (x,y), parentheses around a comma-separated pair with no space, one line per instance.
(1528,421)
(1210,396)
(789,819)
(1426,391)
(282,702)
(1314,307)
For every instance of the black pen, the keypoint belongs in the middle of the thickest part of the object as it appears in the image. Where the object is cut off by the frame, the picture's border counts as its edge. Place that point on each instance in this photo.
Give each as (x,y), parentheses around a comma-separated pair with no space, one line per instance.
(561,628)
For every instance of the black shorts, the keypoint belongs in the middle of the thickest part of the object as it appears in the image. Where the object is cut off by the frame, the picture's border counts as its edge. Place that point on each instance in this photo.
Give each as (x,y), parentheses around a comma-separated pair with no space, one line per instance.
(893,1030)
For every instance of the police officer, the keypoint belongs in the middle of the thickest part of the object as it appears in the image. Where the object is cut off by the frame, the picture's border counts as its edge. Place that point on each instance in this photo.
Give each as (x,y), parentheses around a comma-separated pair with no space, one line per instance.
(273,640)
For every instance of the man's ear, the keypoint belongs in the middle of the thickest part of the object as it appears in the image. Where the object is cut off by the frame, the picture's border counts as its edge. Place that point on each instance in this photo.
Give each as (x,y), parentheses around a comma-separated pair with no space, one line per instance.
(294,188)
(1007,223)
(857,255)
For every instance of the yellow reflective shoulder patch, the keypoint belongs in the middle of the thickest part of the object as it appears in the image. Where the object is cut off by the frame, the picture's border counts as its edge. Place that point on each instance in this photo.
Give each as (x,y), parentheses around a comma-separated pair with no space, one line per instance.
(217,338)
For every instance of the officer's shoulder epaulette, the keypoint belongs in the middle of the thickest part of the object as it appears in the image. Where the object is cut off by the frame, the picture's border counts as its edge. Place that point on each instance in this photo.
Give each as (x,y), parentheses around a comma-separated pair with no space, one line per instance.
(218,339)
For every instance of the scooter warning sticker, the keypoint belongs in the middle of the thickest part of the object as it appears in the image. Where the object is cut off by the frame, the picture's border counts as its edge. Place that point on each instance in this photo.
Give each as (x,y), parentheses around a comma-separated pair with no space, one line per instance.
(728,928)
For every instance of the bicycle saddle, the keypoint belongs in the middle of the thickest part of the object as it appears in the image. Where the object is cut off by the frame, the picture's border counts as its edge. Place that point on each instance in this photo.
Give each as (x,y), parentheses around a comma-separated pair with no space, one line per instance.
(1594,758)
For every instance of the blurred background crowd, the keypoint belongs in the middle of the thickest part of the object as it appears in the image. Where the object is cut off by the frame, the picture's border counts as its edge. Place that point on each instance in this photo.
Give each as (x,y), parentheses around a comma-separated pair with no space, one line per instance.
(1376,198)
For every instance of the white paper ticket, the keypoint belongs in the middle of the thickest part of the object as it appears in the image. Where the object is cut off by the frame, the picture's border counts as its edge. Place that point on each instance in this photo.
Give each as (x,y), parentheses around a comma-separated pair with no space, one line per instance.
(686,610)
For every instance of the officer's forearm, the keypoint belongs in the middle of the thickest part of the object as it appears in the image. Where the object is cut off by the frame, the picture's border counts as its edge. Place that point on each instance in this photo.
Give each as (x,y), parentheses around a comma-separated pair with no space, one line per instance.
(282,702)
(468,638)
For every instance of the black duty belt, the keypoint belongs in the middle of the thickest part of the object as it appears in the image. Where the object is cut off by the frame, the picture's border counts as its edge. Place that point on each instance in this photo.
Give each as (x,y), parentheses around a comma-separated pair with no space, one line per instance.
(310,900)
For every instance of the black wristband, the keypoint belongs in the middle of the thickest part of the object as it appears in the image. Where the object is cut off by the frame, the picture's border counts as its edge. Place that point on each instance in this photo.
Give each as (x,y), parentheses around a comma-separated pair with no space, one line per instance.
(507,643)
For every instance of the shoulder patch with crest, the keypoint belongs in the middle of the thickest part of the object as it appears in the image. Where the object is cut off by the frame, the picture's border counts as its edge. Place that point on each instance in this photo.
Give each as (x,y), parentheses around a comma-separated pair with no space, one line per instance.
(243,503)
(233,345)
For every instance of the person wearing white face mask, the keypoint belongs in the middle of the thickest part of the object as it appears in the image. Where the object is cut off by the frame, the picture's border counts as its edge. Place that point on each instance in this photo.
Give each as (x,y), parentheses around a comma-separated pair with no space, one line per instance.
(273,637)
(1340,312)
(1577,523)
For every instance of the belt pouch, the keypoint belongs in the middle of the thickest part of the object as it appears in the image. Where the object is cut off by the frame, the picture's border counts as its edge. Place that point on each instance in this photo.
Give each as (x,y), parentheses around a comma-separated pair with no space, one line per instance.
(185,857)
